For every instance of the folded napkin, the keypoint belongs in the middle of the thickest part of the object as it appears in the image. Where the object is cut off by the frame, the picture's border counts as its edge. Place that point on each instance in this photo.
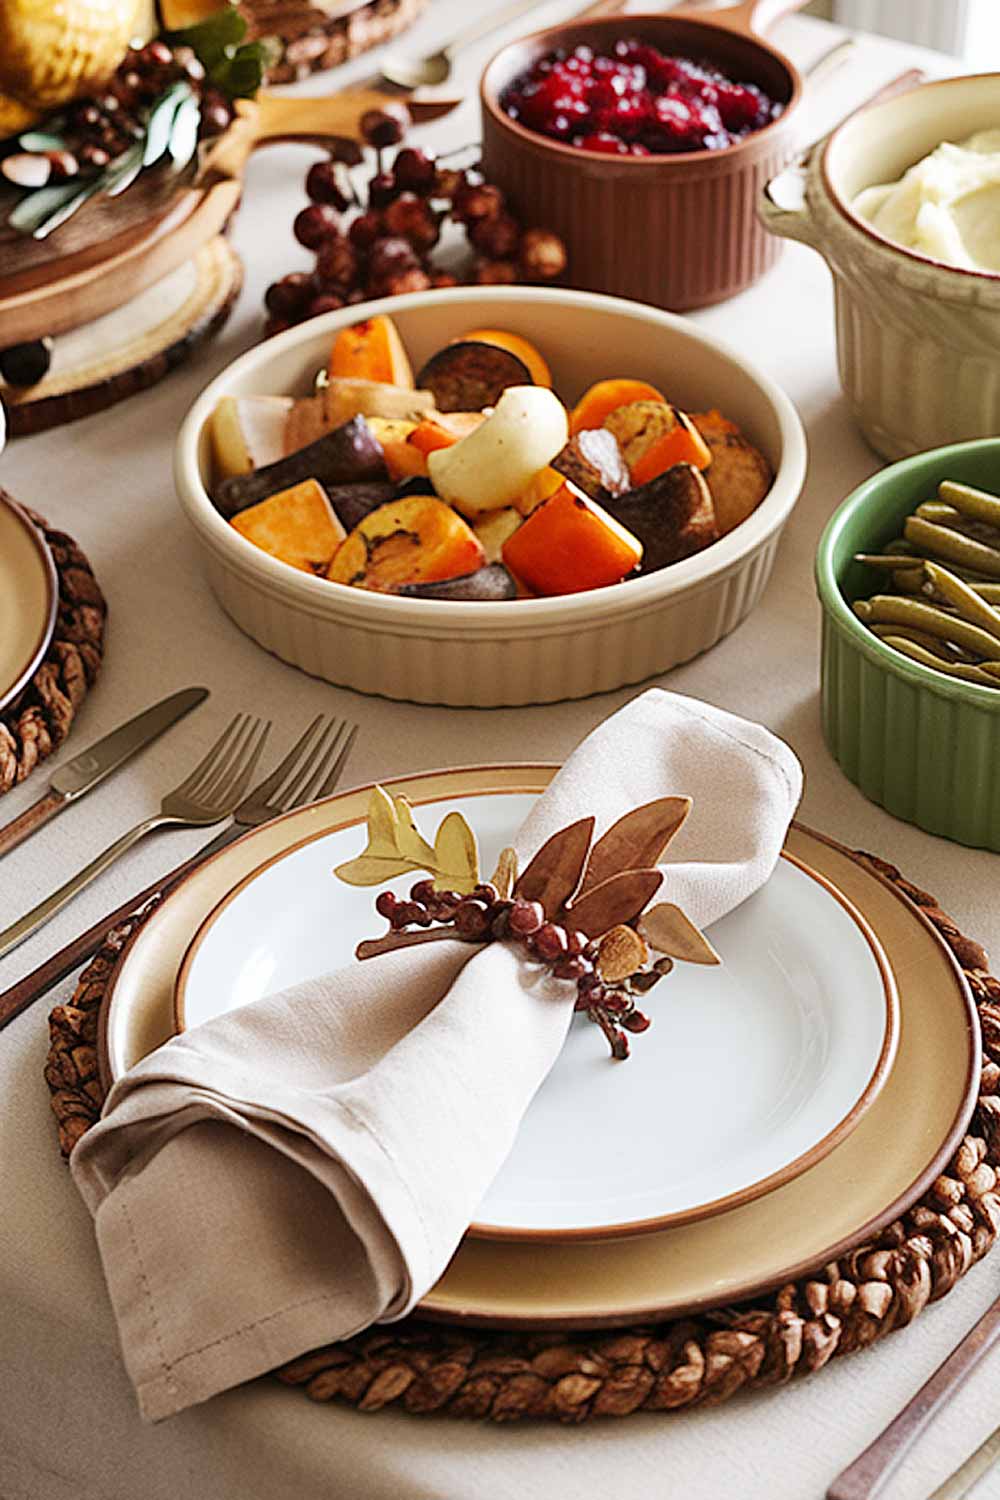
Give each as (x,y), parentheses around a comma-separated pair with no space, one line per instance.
(298,1169)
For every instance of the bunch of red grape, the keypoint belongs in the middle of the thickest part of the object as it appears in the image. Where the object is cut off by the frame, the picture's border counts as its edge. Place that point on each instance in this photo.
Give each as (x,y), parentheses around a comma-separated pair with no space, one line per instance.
(380,244)
(484,916)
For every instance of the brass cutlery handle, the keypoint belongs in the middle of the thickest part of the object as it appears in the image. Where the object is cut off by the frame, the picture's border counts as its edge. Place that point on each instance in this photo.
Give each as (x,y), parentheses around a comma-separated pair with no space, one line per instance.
(863,1479)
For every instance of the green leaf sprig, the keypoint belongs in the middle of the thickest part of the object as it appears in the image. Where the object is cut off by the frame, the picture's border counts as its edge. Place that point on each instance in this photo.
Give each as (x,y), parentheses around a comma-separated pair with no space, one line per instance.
(235,66)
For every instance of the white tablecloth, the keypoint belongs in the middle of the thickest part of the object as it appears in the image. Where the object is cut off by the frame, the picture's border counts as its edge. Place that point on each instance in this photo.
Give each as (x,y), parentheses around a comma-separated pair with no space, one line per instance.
(68,1423)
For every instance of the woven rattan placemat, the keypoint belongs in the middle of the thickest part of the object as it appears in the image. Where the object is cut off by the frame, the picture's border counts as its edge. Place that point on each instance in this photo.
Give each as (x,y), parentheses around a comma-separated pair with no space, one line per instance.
(41,720)
(846,1305)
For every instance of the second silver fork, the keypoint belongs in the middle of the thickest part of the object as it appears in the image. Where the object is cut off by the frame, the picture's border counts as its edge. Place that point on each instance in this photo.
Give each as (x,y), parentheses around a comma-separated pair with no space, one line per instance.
(211,792)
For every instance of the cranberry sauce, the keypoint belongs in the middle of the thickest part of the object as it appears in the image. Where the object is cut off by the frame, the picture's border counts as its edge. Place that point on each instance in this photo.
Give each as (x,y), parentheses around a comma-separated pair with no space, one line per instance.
(638,101)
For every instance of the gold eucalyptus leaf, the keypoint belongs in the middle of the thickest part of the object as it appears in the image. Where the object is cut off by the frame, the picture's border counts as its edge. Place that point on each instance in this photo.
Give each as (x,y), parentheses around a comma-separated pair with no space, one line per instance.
(372,869)
(505,874)
(456,858)
(409,839)
(383,823)
(668,930)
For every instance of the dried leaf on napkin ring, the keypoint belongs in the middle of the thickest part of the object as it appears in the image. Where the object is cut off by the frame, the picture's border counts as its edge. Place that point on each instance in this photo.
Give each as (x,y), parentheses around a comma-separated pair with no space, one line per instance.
(580,908)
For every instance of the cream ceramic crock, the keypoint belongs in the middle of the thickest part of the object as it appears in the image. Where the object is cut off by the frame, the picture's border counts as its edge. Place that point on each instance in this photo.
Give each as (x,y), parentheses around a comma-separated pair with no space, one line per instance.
(918,342)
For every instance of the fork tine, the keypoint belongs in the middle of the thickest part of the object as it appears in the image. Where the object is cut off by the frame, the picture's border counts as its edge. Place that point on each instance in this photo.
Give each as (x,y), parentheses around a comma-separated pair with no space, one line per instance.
(211,759)
(290,795)
(328,775)
(268,789)
(227,789)
(208,784)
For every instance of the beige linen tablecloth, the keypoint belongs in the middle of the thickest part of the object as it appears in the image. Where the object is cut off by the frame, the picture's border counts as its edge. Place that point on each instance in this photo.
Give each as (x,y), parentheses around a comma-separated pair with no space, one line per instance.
(68,1424)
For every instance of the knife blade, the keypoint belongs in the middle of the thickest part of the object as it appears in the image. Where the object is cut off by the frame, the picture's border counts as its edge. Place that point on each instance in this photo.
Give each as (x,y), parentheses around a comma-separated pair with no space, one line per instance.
(91,767)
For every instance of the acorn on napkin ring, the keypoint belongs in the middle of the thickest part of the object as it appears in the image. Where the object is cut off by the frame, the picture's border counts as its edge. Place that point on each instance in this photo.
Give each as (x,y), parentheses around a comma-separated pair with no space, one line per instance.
(578,909)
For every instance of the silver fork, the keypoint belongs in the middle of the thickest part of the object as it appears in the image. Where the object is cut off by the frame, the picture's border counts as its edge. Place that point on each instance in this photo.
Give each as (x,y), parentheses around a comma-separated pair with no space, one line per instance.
(310,770)
(209,794)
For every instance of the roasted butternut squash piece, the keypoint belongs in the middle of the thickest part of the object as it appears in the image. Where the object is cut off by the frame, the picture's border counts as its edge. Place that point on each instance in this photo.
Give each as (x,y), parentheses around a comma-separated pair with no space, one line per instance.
(596,405)
(571,543)
(682,444)
(415,540)
(371,350)
(299,526)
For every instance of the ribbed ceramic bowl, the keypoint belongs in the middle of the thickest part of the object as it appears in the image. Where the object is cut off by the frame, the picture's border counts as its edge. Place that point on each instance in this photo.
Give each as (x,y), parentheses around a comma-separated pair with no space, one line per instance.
(524,650)
(677,231)
(923,745)
(918,341)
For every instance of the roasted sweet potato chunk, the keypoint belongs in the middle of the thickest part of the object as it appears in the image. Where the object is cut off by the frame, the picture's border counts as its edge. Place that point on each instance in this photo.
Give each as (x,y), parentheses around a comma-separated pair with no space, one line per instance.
(672,516)
(468,376)
(297,525)
(416,540)
(593,460)
(739,476)
(348,455)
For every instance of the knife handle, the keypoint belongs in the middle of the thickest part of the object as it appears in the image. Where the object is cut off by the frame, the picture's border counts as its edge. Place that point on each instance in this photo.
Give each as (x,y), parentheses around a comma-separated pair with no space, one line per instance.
(68,959)
(40,812)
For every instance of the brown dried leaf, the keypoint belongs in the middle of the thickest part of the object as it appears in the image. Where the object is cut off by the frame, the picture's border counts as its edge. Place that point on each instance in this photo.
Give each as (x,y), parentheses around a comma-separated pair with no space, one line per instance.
(615,901)
(668,930)
(621,954)
(554,873)
(636,841)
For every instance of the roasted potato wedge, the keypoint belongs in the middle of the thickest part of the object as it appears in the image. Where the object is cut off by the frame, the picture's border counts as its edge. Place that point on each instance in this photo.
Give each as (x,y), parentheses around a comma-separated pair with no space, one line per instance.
(739,475)
(340,400)
(593,460)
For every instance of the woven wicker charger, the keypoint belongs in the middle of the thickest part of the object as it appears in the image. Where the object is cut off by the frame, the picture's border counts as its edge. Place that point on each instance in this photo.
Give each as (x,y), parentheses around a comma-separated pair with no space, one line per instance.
(843,1306)
(30,732)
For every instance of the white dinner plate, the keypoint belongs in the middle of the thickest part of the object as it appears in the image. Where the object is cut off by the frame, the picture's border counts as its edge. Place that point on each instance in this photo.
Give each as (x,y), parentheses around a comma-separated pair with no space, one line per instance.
(28,596)
(770,1059)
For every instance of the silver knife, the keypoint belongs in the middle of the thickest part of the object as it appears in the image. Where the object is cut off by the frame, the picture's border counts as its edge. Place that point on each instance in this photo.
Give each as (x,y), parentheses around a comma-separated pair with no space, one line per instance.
(90,767)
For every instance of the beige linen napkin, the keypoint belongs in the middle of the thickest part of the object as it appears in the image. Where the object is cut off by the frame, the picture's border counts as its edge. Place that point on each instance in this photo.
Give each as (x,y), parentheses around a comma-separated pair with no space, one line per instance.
(298,1169)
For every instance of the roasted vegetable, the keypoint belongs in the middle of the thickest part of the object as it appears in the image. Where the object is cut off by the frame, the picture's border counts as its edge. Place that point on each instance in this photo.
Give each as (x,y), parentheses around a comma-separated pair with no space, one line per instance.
(522,348)
(371,350)
(297,525)
(491,583)
(347,455)
(739,476)
(571,543)
(493,529)
(672,516)
(593,460)
(393,435)
(341,400)
(596,405)
(247,433)
(654,436)
(491,467)
(539,487)
(468,376)
(353,502)
(416,540)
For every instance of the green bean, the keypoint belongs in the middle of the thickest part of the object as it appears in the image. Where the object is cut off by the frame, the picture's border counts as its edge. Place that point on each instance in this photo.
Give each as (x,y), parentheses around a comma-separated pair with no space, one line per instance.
(862,609)
(965,600)
(992,668)
(952,546)
(951,668)
(909,580)
(971,502)
(900,547)
(888,561)
(890,609)
(934,510)
(988,591)
(931,643)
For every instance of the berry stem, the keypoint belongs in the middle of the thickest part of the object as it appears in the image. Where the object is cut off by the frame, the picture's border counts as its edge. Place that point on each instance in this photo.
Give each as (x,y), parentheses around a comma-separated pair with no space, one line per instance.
(372,947)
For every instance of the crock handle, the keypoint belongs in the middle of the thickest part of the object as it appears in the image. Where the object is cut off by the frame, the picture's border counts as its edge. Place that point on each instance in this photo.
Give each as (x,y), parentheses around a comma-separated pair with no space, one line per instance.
(783,206)
(752,17)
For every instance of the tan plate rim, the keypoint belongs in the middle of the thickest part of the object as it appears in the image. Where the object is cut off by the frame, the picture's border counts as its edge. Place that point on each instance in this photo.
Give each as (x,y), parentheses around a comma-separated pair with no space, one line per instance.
(738,1292)
(48,623)
(626,1228)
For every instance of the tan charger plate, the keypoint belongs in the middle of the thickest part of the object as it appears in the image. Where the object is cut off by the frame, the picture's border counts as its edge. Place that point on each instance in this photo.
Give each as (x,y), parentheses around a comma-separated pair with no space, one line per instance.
(899,1147)
(28,596)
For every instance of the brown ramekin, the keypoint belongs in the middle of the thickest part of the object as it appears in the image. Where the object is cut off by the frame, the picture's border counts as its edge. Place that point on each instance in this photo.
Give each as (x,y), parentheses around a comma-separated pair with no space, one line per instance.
(675,231)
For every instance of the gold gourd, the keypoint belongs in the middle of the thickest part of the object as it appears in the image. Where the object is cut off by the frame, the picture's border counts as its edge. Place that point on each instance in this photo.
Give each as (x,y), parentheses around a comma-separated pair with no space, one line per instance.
(50,52)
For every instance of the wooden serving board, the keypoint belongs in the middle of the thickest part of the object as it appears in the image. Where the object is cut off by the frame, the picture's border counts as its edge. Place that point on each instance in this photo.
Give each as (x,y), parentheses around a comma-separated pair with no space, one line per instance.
(112,249)
(132,347)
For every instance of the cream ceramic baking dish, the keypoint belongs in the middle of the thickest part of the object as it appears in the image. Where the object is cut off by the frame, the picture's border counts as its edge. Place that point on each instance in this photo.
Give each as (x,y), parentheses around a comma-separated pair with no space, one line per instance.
(918,341)
(526,650)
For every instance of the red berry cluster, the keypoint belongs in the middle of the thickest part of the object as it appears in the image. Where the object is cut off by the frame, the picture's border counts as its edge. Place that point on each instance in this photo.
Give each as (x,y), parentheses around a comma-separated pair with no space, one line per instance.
(637,101)
(378,243)
(484,916)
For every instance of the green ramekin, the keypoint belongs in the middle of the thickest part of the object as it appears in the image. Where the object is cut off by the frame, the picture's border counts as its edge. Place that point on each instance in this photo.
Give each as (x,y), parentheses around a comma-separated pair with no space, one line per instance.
(925,746)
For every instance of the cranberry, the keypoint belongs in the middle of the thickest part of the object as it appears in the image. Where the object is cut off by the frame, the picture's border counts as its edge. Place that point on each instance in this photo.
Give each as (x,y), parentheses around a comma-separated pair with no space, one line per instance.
(315,224)
(323,185)
(549,941)
(365,230)
(526,917)
(382,189)
(605,142)
(287,297)
(423,892)
(415,170)
(472,919)
(385,903)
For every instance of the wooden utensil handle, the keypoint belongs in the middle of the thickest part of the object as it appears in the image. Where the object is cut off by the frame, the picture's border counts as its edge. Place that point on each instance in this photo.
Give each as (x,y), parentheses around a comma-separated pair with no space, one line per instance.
(40,812)
(752,17)
(333,116)
(865,1476)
